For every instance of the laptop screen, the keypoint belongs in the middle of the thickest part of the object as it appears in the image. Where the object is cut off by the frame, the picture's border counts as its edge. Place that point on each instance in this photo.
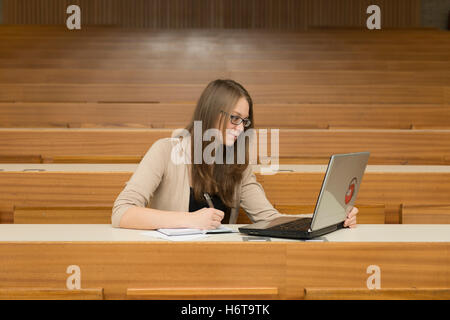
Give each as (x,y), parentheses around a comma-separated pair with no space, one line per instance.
(339,189)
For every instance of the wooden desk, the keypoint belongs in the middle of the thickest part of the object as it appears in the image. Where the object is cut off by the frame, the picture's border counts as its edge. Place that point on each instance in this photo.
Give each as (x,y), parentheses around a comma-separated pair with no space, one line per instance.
(128,264)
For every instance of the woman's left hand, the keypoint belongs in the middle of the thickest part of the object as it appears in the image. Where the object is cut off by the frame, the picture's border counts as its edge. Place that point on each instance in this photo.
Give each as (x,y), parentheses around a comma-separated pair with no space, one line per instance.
(350,222)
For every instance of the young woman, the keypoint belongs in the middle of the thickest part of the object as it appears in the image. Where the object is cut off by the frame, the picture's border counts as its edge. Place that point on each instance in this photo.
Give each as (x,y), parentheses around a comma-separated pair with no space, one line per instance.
(168,188)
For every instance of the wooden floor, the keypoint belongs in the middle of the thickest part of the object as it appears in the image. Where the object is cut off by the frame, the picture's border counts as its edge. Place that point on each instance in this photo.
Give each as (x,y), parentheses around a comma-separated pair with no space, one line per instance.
(104,95)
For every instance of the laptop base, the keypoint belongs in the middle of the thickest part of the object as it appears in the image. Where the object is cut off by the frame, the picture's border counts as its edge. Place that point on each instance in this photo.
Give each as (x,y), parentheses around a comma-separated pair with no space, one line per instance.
(291,234)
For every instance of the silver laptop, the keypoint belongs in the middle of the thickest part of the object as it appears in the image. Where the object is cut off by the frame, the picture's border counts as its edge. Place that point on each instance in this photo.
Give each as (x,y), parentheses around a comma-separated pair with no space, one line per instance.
(337,196)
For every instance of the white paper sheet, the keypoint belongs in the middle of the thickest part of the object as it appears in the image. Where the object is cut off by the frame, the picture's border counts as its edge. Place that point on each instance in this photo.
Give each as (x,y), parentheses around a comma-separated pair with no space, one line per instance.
(184,231)
(160,235)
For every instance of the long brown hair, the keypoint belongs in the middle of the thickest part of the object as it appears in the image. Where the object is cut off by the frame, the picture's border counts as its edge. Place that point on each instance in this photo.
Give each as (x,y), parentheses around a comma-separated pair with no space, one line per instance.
(222,179)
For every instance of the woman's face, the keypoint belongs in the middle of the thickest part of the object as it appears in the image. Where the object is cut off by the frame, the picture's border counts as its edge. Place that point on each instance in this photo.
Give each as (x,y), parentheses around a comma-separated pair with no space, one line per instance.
(241,109)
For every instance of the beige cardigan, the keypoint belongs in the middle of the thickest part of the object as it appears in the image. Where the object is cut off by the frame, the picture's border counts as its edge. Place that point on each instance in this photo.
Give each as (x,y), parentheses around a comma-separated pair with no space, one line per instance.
(163,184)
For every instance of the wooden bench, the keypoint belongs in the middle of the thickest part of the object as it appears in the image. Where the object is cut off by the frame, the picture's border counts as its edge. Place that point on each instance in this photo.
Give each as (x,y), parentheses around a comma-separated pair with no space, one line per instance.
(425,214)
(272,64)
(377,294)
(34,293)
(265,93)
(22,158)
(368,213)
(62,215)
(372,214)
(100,187)
(253,293)
(424,147)
(177,115)
(250,78)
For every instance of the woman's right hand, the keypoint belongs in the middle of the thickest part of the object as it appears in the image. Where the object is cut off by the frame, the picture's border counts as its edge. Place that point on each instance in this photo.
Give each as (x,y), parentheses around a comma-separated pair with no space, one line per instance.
(206,218)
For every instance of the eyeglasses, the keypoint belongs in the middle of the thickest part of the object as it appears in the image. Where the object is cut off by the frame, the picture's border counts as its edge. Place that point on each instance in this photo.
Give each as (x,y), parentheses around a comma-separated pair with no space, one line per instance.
(236,120)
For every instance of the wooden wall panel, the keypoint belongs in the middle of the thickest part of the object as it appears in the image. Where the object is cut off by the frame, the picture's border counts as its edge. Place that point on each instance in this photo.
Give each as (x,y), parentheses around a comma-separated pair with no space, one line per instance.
(246,14)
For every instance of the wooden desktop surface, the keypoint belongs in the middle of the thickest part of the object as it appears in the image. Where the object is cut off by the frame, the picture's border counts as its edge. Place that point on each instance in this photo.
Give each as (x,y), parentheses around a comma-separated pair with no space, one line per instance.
(126,264)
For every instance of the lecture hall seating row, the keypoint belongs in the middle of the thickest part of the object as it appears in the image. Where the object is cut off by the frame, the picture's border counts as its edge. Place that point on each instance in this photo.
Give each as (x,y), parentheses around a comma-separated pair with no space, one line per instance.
(225,293)
(420,147)
(152,270)
(250,78)
(329,92)
(176,115)
(265,93)
(388,194)
(344,66)
(396,84)
(371,214)
(368,214)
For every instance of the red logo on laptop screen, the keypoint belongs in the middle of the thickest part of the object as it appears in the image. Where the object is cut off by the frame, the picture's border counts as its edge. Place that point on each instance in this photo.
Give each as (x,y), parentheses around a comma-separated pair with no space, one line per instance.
(351,190)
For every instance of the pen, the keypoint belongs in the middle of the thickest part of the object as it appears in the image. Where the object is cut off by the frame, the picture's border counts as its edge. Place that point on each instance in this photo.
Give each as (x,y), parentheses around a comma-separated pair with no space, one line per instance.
(211,205)
(208,200)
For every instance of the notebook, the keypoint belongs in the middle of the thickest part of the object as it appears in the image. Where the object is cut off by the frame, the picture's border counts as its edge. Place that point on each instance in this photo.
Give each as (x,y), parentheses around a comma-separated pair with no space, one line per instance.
(184,231)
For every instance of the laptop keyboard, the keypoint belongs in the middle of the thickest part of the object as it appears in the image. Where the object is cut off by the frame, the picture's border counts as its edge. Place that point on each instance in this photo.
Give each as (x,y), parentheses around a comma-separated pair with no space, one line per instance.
(296,225)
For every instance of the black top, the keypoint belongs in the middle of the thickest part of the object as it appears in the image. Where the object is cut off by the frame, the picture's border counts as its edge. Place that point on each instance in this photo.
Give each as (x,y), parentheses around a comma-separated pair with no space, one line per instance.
(218,204)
